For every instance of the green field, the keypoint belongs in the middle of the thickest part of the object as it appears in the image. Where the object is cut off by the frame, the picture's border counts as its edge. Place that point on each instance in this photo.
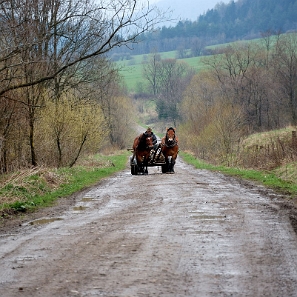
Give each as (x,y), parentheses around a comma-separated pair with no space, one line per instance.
(131,70)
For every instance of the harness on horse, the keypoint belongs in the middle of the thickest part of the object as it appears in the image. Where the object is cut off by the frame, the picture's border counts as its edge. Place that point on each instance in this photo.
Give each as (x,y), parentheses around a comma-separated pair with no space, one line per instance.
(172,144)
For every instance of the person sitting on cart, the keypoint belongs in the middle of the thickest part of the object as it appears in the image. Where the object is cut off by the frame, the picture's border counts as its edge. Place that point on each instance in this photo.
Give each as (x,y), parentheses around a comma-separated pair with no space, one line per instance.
(150,133)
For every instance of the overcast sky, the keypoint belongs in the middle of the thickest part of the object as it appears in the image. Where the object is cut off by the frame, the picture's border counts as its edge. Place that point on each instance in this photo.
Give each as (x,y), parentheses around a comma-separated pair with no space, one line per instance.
(187,9)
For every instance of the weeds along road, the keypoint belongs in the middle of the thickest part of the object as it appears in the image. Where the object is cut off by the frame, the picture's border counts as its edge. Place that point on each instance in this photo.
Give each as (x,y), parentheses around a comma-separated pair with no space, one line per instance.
(192,233)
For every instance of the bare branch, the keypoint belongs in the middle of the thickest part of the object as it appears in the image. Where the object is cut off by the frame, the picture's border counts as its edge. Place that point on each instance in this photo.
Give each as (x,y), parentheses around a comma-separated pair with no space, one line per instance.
(50,36)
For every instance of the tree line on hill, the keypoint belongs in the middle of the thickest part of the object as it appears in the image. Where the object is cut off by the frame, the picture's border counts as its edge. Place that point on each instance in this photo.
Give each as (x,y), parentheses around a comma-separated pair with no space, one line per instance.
(243,19)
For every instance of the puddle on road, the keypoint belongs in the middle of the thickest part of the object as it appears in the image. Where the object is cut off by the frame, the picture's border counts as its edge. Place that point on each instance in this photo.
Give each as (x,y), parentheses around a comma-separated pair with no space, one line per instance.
(208,217)
(79,208)
(87,199)
(199,232)
(196,211)
(44,221)
(22,259)
(202,184)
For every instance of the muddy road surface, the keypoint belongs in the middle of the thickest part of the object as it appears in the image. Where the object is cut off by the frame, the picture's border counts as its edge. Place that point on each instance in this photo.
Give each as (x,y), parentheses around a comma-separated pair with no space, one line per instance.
(192,233)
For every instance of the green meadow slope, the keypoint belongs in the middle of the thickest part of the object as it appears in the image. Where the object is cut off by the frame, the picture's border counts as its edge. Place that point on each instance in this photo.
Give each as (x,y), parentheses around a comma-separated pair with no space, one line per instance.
(131,70)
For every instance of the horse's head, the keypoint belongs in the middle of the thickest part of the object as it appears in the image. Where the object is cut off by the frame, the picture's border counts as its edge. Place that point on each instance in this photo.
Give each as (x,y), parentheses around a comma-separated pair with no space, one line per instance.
(170,135)
(149,142)
(146,142)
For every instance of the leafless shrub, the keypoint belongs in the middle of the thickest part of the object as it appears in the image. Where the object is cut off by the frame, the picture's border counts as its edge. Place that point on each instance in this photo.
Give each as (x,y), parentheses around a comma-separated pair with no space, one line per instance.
(270,154)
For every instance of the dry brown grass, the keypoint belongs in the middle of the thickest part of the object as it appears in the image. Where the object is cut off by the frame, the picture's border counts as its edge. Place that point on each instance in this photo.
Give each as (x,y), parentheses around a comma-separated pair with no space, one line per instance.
(264,138)
(273,151)
(15,186)
(40,180)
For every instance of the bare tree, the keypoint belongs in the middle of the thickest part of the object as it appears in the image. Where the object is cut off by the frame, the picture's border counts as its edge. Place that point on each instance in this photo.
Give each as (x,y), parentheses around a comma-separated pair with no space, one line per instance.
(245,80)
(45,46)
(107,92)
(168,79)
(151,71)
(53,35)
(8,112)
(197,45)
(286,71)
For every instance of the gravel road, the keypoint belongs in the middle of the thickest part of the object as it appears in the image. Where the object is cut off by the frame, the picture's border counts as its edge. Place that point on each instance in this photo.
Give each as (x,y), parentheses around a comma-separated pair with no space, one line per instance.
(192,233)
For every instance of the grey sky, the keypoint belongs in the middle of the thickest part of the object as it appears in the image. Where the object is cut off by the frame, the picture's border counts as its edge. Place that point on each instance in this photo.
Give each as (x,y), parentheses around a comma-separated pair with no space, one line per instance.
(187,9)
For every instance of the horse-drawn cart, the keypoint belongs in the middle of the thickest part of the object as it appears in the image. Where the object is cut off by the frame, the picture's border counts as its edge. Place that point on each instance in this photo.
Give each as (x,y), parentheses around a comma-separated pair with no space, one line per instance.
(157,160)
(144,156)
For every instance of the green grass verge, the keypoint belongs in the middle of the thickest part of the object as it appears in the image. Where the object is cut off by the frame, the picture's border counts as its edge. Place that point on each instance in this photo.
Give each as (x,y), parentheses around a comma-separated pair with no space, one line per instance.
(33,192)
(268,179)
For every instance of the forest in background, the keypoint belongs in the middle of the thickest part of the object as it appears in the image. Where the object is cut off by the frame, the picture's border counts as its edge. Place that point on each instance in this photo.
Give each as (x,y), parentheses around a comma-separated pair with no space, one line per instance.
(237,20)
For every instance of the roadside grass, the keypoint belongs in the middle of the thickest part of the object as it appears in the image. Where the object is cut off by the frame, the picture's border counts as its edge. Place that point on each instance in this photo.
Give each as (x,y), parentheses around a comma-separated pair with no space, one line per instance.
(267,178)
(287,172)
(30,189)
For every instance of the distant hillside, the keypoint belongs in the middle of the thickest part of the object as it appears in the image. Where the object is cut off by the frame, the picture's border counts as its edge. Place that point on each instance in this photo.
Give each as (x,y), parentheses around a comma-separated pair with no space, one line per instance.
(243,19)
(247,18)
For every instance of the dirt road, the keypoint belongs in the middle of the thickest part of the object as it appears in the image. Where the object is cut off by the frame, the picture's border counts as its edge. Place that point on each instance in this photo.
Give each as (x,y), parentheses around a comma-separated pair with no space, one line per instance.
(192,233)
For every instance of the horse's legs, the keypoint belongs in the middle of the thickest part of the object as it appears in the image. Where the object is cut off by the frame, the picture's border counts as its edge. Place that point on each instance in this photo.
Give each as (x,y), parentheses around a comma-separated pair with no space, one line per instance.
(143,167)
(169,166)
(140,165)
(168,163)
(145,163)
(172,164)
(165,166)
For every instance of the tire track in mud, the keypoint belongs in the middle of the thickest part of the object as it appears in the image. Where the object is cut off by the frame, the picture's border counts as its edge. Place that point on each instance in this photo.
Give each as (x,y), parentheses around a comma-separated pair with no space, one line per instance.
(192,233)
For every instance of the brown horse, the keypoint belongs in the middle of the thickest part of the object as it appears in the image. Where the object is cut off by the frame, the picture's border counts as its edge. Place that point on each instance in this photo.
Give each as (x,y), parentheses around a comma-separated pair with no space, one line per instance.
(169,145)
(142,147)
